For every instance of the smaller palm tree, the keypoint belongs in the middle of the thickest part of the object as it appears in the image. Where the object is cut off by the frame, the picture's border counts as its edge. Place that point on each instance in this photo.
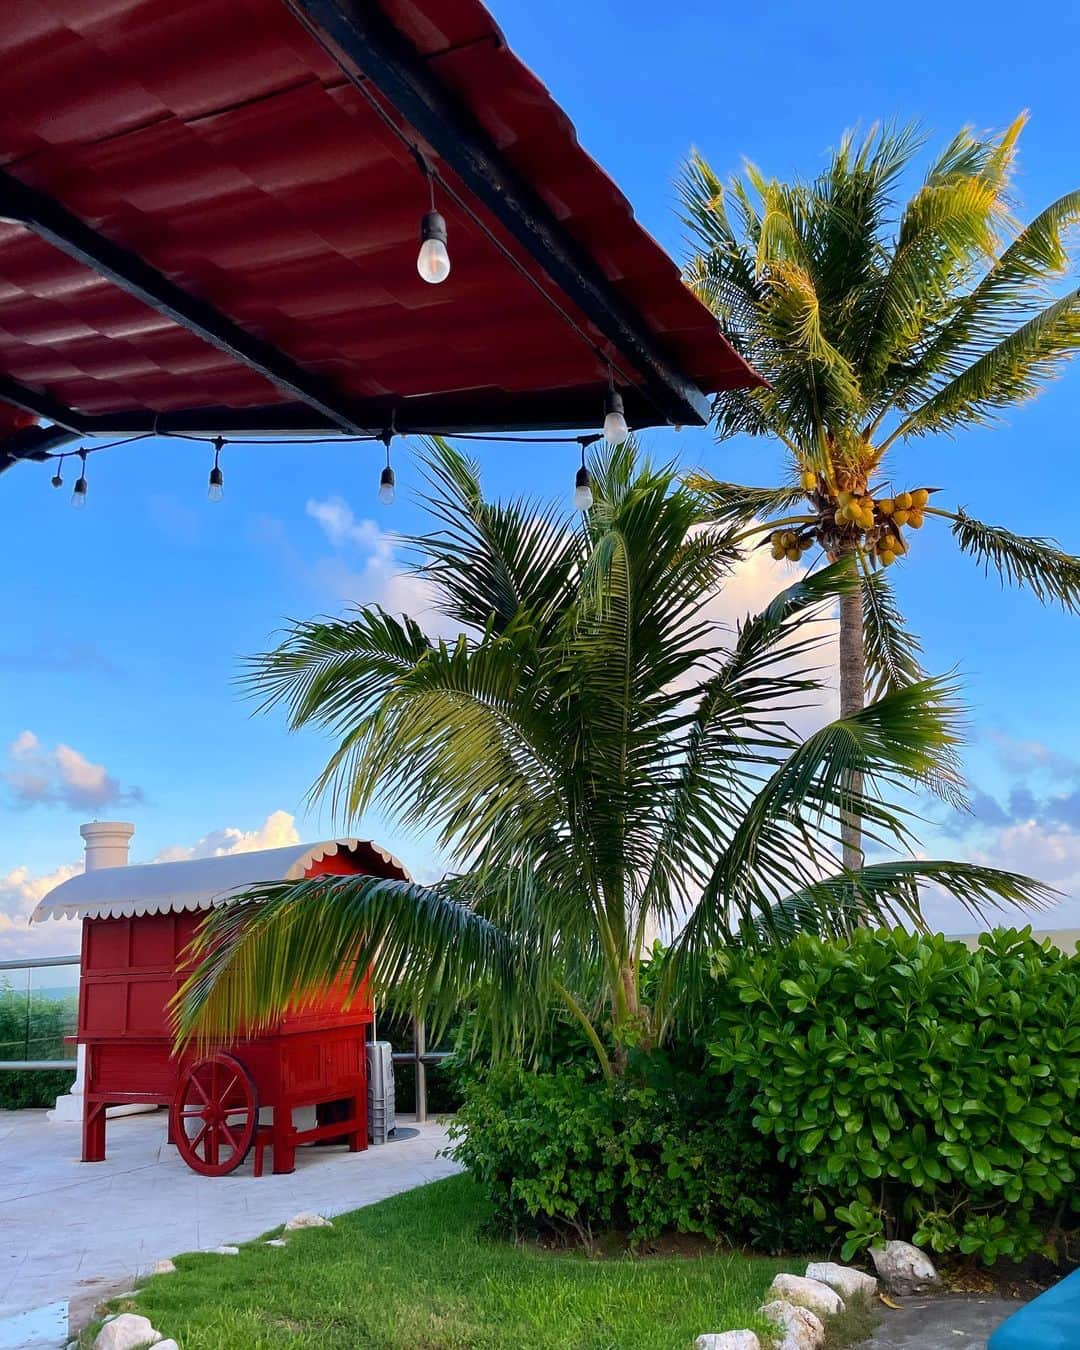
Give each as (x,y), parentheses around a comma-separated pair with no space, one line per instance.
(874,326)
(596,764)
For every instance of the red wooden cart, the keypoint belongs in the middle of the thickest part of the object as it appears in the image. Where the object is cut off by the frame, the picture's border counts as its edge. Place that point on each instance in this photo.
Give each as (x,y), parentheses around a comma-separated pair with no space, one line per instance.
(137,922)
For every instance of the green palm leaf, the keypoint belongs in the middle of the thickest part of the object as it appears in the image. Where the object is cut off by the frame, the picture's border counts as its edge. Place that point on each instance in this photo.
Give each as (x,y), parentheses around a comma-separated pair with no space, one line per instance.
(1022,560)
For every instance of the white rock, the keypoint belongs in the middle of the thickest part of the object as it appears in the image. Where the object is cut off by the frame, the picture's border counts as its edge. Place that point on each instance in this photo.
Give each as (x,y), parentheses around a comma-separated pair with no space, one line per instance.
(804,1293)
(728,1340)
(165,1267)
(129,1331)
(276,1242)
(802,1329)
(225,1250)
(904,1269)
(846,1280)
(307,1220)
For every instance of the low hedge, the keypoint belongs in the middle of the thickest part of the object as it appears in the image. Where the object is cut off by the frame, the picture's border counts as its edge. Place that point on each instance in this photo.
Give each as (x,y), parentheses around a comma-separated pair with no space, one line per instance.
(828,1093)
(922,1090)
(561,1150)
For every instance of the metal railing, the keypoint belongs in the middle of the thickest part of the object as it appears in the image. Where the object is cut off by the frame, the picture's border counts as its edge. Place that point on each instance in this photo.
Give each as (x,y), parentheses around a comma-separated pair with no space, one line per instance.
(29,964)
(420,1057)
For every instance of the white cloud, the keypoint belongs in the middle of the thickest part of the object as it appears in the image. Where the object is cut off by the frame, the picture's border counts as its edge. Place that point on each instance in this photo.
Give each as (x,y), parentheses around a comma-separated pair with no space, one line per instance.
(366,569)
(19,893)
(1027,756)
(60,776)
(342,529)
(277,831)
(1049,853)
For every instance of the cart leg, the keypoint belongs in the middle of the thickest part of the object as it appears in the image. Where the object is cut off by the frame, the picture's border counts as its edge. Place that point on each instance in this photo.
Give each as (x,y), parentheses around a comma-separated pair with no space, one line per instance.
(284,1148)
(93,1139)
(358,1140)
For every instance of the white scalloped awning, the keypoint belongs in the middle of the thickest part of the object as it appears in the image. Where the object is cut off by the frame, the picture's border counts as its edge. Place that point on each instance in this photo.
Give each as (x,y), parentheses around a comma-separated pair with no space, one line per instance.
(201,883)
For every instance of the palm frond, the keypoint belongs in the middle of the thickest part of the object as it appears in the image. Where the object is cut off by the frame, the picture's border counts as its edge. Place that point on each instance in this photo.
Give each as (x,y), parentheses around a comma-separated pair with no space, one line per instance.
(784,838)
(892,650)
(889,893)
(736,504)
(739,733)
(489,560)
(1021,560)
(1015,286)
(423,950)
(1010,372)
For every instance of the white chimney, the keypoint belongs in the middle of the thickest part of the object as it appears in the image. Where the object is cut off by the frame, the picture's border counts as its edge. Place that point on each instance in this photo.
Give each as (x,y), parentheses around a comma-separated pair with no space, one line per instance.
(106,843)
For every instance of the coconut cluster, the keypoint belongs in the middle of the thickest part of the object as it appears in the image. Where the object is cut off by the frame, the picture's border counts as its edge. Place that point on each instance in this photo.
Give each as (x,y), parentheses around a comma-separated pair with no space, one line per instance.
(851,516)
(790,544)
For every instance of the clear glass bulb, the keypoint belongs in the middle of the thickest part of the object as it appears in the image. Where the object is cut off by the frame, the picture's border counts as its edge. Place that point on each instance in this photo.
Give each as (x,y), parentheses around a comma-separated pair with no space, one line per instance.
(78,496)
(386,486)
(433,261)
(583,494)
(216,490)
(615,428)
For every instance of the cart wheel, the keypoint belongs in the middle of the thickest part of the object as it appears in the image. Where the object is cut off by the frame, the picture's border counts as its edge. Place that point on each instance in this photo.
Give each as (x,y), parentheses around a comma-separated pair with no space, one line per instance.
(214,1114)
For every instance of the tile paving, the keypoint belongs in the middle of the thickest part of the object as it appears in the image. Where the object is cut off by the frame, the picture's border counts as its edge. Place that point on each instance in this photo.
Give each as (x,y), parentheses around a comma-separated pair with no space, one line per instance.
(69,1229)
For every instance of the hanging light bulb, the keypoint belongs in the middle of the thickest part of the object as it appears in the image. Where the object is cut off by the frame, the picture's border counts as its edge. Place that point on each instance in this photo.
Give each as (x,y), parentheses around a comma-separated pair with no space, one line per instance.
(386,478)
(583,493)
(57,479)
(433,261)
(78,495)
(216,489)
(615,428)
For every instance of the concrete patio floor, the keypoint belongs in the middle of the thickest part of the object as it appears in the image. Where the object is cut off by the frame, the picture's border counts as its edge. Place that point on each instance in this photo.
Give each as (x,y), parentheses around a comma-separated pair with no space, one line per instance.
(70,1230)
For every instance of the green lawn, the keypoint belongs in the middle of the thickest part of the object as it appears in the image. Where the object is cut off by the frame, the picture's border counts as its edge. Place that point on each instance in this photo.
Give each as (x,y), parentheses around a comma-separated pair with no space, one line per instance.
(414,1273)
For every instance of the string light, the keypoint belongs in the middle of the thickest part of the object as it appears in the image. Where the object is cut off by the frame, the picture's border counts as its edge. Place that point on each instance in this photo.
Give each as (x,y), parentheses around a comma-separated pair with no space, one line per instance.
(387,480)
(433,260)
(216,489)
(583,493)
(615,428)
(78,496)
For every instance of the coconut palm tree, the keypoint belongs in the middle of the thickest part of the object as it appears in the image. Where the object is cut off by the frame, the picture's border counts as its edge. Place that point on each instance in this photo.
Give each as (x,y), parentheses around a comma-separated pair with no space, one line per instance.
(876,324)
(595,763)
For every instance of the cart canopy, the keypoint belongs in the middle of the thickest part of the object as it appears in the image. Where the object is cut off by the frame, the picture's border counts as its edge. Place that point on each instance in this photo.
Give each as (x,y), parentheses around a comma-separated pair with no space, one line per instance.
(200,883)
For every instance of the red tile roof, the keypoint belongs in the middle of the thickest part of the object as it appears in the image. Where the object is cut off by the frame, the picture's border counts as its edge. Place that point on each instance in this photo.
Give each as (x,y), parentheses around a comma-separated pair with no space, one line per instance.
(225,145)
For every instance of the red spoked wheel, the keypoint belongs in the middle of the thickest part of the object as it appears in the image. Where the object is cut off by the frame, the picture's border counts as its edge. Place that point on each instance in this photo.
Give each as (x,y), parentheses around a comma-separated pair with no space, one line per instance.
(214,1115)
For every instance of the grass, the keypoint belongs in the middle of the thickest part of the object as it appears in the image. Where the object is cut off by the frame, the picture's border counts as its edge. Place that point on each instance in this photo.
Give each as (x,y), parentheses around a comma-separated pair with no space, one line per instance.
(416,1271)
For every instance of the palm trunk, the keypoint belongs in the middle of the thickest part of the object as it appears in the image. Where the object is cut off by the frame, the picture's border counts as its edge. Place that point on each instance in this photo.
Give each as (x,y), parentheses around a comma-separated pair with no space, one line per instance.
(852,699)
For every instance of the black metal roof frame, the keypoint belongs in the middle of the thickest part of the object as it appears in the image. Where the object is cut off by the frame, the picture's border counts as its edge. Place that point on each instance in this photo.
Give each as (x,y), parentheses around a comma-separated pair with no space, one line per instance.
(376,54)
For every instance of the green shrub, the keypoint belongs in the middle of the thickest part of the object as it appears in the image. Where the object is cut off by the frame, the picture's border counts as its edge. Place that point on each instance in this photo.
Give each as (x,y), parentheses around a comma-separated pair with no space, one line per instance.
(34,1027)
(923,1090)
(564,1151)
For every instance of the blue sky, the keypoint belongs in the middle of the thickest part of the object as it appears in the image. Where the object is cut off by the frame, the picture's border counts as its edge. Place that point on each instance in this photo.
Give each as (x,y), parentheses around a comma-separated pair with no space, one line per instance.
(123,625)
